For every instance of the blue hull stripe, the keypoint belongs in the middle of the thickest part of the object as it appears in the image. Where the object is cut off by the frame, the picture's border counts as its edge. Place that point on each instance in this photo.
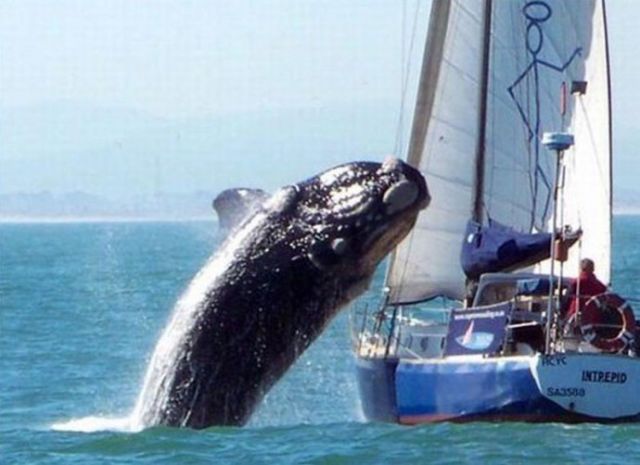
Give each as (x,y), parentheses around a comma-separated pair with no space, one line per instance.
(464,388)
(496,389)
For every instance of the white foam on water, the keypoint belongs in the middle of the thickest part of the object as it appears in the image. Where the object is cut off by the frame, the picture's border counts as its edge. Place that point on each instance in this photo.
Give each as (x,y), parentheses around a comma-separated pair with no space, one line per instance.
(161,368)
(93,424)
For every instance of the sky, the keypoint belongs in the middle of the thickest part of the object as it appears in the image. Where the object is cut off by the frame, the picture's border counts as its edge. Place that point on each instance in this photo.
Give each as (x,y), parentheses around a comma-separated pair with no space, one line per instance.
(133,97)
(194,58)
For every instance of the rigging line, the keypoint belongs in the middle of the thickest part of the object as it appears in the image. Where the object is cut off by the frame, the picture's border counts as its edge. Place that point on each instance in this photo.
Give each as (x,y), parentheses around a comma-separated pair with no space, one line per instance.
(403,48)
(406,261)
(405,72)
(405,264)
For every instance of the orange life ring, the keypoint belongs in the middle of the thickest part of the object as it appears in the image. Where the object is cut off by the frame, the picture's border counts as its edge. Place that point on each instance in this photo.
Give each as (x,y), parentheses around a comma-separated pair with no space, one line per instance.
(590,317)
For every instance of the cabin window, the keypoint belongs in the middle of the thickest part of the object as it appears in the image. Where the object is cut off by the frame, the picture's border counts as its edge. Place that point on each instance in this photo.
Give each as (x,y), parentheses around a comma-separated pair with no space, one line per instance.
(495,293)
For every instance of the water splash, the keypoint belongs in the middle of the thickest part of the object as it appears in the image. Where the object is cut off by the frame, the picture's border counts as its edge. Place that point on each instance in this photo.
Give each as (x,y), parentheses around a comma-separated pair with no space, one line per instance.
(94,424)
(161,369)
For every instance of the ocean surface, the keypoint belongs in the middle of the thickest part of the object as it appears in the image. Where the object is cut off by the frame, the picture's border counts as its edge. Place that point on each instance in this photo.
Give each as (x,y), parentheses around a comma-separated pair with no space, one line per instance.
(82,305)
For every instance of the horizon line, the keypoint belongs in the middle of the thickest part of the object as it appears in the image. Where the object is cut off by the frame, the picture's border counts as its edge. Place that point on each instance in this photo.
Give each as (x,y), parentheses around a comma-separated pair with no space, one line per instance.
(6,220)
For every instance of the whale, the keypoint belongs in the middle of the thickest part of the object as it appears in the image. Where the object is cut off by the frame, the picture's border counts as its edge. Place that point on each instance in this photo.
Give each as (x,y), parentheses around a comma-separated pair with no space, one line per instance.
(272,288)
(235,204)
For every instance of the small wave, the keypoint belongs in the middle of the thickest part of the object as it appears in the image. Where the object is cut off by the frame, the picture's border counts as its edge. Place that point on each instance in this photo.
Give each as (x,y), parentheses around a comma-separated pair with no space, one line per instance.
(93,424)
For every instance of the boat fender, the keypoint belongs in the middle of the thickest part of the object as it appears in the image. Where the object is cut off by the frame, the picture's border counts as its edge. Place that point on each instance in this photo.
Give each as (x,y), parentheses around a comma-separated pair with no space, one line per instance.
(590,316)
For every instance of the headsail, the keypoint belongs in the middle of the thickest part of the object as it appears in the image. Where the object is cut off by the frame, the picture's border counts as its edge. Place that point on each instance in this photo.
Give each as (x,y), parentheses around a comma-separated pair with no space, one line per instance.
(588,192)
(493,78)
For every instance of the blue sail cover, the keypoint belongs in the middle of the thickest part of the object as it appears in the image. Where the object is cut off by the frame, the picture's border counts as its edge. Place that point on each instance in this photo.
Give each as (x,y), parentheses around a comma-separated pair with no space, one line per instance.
(496,247)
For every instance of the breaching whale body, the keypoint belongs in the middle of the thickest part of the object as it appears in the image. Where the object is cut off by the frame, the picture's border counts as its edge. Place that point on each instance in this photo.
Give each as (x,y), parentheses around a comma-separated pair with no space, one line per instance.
(272,288)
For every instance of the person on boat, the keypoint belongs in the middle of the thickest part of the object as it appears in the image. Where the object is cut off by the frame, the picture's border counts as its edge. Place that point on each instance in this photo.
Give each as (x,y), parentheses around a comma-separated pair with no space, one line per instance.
(584,287)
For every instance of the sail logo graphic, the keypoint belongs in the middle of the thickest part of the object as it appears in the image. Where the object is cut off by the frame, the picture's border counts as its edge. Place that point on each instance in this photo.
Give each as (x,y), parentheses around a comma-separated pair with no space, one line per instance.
(475,340)
(536,13)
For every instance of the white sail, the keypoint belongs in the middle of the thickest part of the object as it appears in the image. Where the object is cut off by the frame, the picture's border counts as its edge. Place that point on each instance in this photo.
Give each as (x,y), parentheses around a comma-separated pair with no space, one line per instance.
(486,99)
(442,146)
(587,192)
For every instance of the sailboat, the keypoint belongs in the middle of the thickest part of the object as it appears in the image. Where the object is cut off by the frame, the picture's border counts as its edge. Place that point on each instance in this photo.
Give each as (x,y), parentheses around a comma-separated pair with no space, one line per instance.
(512,130)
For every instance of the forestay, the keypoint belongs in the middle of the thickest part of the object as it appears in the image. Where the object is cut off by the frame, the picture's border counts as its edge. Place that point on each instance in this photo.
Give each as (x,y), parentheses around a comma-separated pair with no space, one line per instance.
(487,99)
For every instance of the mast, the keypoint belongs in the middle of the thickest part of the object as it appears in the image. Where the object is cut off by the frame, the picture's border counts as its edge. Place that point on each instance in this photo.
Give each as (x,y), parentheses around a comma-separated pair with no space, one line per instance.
(610,113)
(429,72)
(557,142)
(431,60)
(478,197)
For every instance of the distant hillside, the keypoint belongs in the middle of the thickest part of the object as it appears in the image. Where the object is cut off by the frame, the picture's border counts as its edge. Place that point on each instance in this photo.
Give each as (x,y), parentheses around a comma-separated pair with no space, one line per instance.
(120,153)
(626,201)
(71,160)
(80,205)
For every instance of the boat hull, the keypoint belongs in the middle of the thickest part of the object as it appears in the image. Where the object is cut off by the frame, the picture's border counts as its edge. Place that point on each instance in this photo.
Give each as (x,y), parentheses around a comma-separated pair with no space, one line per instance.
(566,388)
(376,382)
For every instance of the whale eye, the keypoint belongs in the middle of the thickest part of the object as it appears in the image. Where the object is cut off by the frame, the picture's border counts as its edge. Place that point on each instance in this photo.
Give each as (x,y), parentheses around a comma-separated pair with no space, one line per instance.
(324,254)
(339,245)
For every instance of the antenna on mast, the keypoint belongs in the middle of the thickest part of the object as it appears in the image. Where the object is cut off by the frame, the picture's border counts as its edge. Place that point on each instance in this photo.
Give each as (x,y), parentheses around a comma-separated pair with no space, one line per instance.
(558,142)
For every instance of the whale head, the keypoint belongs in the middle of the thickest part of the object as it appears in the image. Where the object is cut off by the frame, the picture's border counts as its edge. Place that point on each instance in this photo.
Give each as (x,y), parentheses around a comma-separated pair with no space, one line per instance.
(355,214)
(273,286)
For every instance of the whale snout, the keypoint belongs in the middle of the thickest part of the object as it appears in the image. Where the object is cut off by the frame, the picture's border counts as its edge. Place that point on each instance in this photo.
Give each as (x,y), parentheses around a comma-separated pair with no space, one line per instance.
(411,190)
(391,163)
(362,195)
(400,196)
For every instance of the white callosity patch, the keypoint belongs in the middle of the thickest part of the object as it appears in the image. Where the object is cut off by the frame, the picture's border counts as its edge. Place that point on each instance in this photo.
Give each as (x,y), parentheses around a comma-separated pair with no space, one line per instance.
(348,201)
(391,164)
(158,378)
(335,175)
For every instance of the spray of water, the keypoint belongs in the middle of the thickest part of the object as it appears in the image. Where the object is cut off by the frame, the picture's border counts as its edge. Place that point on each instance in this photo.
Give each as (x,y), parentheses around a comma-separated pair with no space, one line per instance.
(160,371)
(93,424)
(153,395)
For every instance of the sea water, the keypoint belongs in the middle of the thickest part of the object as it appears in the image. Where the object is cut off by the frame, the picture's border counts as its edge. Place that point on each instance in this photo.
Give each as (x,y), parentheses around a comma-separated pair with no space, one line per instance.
(83,305)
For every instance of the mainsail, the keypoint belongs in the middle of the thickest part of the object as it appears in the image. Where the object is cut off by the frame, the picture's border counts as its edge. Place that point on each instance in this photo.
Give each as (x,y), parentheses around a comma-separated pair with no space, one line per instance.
(495,76)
